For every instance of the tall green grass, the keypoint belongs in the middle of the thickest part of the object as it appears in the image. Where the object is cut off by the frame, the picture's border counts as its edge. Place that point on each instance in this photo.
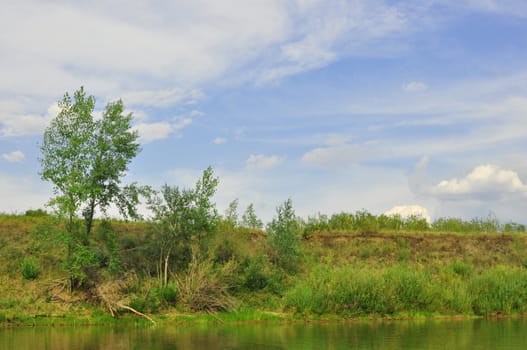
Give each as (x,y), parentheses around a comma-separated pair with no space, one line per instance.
(404,291)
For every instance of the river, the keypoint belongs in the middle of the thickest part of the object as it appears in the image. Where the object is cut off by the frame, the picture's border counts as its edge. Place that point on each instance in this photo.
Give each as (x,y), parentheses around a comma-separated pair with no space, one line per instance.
(429,334)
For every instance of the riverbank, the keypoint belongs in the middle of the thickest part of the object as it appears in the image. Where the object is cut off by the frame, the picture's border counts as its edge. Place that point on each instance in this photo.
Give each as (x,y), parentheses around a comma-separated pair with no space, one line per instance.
(341,275)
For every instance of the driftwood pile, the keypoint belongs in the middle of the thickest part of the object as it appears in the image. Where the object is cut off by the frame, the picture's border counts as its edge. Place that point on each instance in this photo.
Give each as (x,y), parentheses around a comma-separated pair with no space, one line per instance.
(111,293)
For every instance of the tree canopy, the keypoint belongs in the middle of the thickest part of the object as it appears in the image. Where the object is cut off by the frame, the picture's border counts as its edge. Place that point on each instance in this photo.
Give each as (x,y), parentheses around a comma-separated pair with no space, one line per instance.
(86,157)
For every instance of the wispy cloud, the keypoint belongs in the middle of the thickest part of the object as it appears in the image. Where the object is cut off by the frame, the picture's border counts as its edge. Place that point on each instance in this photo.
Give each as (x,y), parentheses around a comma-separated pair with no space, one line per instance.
(163,98)
(219,141)
(414,86)
(334,156)
(14,157)
(337,151)
(262,162)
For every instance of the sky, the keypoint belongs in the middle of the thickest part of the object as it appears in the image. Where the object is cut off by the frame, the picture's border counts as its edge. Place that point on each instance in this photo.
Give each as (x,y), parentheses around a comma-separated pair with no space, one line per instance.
(338,105)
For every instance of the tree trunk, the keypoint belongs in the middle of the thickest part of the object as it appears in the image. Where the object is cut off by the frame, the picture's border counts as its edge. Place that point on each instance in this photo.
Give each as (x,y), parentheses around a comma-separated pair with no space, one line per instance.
(89,216)
(166,269)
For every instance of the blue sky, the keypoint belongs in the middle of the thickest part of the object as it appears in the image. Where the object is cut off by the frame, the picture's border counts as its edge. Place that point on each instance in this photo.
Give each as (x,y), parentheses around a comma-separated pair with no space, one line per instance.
(339,105)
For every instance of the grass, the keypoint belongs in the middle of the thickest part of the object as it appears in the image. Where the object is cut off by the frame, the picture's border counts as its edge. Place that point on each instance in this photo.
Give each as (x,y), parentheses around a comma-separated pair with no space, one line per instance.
(341,275)
(403,291)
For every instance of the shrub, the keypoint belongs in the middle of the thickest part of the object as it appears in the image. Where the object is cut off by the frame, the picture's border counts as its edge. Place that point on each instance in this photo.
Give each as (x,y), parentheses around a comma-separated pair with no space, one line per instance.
(82,265)
(254,276)
(138,303)
(224,251)
(168,293)
(30,268)
(284,237)
(36,213)
(200,288)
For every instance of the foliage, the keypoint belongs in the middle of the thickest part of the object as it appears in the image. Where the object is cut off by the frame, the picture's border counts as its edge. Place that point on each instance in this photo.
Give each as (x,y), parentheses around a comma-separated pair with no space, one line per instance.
(201,288)
(514,227)
(36,213)
(364,222)
(30,268)
(249,218)
(85,158)
(168,293)
(182,217)
(82,266)
(254,276)
(284,237)
(499,290)
(395,274)
(231,214)
(488,225)
(108,238)
(395,290)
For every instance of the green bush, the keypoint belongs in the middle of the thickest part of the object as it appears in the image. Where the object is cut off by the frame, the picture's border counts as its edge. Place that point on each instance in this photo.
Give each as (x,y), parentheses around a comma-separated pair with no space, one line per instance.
(138,303)
(30,268)
(254,276)
(36,213)
(284,238)
(82,265)
(169,293)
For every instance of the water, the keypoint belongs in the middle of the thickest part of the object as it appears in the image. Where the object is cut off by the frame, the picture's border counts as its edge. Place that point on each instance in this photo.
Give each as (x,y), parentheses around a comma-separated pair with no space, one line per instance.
(466,334)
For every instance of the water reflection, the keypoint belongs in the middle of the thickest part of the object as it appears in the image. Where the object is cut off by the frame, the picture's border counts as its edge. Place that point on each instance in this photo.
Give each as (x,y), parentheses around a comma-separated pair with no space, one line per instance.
(471,334)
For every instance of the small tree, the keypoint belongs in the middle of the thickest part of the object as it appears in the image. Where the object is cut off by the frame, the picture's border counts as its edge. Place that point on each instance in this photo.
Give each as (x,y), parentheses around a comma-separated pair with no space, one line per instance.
(284,237)
(249,218)
(85,158)
(182,217)
(231,214)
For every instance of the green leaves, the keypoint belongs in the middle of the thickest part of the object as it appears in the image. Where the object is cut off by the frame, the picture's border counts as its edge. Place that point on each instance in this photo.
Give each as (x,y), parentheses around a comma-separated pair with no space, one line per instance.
(184,216)
(86,157)
(249,218)
(284,237)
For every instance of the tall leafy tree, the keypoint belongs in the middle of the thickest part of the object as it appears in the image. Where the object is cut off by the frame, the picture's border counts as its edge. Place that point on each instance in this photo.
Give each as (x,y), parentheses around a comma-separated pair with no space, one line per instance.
(86,157)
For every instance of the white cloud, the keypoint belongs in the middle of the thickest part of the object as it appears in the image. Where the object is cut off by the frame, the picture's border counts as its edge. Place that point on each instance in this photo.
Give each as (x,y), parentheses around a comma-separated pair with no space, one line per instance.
(262,162)
(406,211)
(484,182)
(219,141)
(14,157)
(13,124)
(414,86)
(149,132)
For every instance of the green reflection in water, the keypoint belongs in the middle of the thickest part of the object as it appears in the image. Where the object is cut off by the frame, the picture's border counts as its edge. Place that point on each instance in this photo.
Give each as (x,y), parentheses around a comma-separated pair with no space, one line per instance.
(467,334)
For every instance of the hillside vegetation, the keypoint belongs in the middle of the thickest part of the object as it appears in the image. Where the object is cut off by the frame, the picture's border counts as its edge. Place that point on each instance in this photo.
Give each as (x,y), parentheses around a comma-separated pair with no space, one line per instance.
(313,269)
